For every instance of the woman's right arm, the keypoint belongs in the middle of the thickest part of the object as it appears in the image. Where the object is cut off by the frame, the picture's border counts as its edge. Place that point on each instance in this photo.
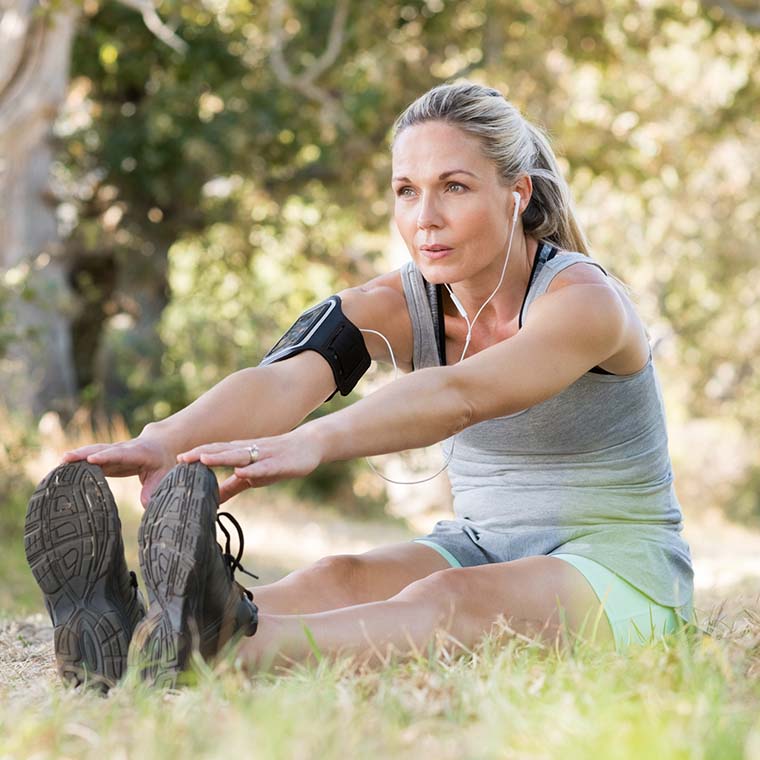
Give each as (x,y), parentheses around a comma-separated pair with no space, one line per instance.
(250,402)
(258,401)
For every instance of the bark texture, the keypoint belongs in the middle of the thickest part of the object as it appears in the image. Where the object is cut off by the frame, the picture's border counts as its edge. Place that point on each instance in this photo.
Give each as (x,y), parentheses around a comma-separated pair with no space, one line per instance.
(37,374)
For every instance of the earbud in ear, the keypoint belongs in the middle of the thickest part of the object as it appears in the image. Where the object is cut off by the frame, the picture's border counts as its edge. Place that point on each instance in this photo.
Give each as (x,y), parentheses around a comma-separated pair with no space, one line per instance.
(517,200)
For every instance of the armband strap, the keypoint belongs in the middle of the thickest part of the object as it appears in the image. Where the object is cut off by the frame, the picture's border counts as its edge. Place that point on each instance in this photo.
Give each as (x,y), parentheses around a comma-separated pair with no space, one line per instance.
(325,329)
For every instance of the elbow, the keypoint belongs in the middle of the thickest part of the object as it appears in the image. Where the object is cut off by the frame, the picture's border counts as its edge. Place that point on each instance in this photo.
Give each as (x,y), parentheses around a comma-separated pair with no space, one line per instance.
(460,400)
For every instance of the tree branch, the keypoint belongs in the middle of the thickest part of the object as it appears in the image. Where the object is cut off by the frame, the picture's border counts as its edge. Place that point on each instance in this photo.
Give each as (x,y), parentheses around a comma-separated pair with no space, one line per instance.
(334,43)
(747,16)
(153,22)
(304,82)
(14,83)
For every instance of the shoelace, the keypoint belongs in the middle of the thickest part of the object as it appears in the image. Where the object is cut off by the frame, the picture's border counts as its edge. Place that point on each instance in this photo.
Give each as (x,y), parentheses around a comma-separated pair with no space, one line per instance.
(233,562)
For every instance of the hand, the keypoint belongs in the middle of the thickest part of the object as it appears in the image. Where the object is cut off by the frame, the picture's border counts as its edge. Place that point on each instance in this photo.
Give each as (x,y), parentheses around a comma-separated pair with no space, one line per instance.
(147,458)
(280,457)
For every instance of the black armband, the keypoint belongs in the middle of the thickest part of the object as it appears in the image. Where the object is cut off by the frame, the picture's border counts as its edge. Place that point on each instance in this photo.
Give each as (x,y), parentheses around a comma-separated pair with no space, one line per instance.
(325,329)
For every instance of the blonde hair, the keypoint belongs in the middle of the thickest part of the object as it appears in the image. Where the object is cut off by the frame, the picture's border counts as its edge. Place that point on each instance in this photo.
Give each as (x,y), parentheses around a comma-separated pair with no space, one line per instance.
(516,147)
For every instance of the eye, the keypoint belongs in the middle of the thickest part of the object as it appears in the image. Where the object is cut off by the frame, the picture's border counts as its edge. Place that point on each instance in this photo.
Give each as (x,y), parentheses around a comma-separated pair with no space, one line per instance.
(456,187)
(405,192)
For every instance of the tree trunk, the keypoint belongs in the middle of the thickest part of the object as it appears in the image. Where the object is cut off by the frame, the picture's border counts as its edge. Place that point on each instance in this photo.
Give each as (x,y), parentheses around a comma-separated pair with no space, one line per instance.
(37,374)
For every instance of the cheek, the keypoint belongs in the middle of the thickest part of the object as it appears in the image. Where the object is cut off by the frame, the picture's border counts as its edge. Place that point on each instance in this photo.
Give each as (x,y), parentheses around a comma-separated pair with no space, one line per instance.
(405,219)
(481,221)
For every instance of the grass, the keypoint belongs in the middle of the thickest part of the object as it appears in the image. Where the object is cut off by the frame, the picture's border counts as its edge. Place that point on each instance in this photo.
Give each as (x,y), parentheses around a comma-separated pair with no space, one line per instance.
(683,698)
(679,699)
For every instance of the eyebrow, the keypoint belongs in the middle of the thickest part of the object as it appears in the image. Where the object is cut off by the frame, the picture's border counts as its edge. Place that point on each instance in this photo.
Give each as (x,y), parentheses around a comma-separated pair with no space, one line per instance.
(441,176)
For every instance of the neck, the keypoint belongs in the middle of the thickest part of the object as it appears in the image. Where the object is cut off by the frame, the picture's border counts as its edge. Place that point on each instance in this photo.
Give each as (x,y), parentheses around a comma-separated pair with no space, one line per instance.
(505,304)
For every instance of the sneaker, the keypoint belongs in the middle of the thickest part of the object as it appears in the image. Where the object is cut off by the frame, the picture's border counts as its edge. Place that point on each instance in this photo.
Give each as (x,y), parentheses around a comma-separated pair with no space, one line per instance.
(195,602)
(73,543)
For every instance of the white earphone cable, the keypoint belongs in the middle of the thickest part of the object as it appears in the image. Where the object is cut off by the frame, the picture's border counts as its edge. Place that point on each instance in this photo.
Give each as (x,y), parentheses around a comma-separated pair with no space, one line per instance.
(372,467)
(461,310)
(467,340)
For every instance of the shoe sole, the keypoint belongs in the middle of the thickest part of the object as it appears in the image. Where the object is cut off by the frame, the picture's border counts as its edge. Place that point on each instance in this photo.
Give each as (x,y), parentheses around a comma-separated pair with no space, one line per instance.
(173,540)
(71,539)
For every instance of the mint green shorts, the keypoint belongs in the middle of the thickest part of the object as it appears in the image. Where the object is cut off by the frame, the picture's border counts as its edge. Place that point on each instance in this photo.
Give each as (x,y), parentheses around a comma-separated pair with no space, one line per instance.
(635,619)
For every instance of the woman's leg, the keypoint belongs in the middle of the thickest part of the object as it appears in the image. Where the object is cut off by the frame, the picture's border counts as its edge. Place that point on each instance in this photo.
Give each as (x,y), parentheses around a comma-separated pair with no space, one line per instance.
(462,603)
(343,580)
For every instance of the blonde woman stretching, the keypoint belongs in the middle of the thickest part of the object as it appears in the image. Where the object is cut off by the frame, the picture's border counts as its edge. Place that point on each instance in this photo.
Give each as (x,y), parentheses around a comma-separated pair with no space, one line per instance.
(524,357)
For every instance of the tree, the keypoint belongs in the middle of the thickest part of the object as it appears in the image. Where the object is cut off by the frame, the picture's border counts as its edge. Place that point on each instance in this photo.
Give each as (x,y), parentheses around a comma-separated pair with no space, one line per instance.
(39,372)
(212,196)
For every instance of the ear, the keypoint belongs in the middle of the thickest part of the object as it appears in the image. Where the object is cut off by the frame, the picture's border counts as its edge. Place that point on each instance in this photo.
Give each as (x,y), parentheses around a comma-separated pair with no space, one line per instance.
(523,186)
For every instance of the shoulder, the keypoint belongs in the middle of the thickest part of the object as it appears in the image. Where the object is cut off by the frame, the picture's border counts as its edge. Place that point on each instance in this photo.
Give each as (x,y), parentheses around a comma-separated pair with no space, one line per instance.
(580,272)
(581,300)
(587,276)
(380,305)
(598,309)
(384,292)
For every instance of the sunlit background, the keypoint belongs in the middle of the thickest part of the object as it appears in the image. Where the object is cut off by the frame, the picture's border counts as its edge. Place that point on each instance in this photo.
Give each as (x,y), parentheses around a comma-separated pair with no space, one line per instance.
(174,191)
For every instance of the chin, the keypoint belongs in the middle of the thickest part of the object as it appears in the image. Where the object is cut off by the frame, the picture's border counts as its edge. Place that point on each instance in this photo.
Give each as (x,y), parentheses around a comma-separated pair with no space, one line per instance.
(435,276)
(437,272)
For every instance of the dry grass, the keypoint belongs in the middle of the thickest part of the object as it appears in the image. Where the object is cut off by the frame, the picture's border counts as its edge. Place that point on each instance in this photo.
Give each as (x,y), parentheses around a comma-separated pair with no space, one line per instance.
(683,699)
(680,699)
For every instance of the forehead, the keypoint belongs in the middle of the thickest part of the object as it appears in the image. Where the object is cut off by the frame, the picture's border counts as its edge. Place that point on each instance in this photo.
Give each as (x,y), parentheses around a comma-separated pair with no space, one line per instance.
(435,147)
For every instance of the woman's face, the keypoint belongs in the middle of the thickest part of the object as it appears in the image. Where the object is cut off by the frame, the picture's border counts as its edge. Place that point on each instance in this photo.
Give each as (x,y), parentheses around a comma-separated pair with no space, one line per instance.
(451,208)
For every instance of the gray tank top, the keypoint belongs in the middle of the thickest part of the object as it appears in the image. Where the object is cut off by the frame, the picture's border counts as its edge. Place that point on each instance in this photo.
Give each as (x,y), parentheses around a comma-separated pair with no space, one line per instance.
(586,472)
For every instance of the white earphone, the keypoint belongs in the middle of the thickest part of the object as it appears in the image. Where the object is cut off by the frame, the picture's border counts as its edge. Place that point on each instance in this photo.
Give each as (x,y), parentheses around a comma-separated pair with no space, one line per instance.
(462,311)
(458,304)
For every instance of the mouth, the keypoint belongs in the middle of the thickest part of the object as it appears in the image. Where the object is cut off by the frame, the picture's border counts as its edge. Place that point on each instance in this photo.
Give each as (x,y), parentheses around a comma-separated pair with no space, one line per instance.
(435,251)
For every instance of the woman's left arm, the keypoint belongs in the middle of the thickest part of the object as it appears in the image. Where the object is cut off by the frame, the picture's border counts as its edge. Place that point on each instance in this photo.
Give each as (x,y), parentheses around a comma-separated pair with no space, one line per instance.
(570,331)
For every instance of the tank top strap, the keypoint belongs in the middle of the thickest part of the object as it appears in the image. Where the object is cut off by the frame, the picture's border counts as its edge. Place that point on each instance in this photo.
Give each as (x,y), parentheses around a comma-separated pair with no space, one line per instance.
(548,270)
(422,309)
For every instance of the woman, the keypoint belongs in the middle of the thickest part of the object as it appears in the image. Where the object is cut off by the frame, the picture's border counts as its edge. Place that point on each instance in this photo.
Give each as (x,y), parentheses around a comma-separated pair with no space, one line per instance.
(530,363)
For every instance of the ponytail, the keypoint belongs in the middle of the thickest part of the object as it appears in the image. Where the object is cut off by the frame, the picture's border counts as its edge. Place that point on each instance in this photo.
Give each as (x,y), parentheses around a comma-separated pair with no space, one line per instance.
(517,148)
(550,215)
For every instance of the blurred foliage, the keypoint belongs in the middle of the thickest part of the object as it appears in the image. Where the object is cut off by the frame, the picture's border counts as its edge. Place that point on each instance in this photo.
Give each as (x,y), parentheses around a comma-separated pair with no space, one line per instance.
(224,201)
(13,287)
(18,591)
(7,333)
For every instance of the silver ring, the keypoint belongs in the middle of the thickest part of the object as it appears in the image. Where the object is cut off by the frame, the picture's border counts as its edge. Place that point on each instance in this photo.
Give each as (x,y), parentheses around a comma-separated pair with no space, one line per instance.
(253,453)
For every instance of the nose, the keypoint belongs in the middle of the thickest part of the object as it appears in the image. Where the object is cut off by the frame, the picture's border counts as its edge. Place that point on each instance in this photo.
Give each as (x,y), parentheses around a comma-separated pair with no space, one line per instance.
(429,215)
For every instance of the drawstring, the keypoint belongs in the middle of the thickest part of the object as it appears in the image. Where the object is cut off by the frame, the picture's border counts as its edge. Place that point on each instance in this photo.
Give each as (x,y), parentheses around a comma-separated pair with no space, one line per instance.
(232,562)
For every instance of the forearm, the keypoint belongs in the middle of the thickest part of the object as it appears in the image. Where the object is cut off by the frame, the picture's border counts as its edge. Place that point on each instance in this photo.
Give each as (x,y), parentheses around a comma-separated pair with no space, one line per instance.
(254,402)
(419,409)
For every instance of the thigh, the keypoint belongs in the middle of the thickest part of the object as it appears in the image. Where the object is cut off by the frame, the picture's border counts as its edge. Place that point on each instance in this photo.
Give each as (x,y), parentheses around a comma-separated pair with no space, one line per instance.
(383,572)
(634,617)
(342,580)
(542,596)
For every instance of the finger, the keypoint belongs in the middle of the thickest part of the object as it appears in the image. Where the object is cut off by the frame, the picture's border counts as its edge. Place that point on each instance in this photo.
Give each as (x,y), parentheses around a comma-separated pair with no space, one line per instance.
(110,454)
(150,484)
(193,455)
(248,471)
(123,460)
(240,457)
(258,476)
(76,455)
(232,487)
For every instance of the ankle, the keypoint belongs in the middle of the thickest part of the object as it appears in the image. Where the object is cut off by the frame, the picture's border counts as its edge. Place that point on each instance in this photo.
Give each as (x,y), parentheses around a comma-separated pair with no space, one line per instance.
(262,652)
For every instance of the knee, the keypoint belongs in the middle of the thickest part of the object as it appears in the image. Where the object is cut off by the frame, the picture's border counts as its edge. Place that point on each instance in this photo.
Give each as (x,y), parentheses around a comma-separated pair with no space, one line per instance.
(446,590)
(338,571)
(446,599)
